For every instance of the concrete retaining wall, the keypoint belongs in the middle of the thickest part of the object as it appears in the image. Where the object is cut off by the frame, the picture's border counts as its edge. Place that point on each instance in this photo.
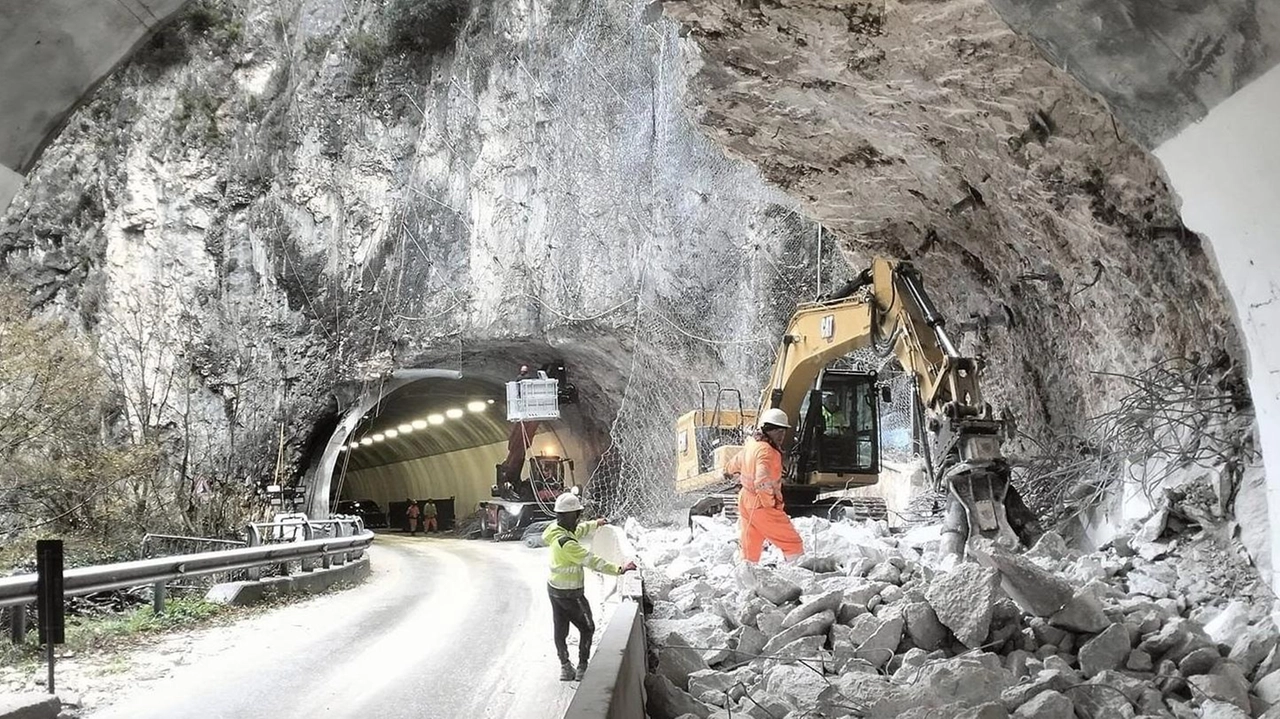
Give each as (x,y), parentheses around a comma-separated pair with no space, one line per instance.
(613,687)
(313,582)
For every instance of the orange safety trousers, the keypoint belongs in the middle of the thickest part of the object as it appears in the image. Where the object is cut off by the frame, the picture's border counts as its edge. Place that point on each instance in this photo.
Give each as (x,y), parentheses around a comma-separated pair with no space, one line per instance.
(760,520)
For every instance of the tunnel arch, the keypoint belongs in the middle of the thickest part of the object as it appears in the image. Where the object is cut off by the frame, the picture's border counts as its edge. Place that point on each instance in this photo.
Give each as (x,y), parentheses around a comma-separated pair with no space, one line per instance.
(581,434)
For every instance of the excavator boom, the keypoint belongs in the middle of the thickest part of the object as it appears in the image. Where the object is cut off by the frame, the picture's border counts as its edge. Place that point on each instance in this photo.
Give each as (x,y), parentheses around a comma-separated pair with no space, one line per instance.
(836,441)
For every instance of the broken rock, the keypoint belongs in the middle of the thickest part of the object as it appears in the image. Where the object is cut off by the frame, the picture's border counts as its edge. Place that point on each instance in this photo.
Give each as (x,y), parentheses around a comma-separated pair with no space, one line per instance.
(665,700)
(775,588)
(676,661)
(1226,683)
(829,602)
(1230,625)
(926,631)
(1046,705)
(799,685)
(1214,709)
(1106,651)
(813,626)
(963,600)
(1037,591)
(1082,614)
(879,646)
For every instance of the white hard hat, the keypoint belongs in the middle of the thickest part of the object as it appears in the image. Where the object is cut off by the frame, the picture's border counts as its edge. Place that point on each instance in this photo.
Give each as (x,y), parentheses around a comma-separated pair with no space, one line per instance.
(568,502)
(775,417)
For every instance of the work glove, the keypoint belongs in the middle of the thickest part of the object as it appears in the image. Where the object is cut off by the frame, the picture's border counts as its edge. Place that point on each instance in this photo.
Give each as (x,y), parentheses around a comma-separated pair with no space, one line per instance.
(629,567)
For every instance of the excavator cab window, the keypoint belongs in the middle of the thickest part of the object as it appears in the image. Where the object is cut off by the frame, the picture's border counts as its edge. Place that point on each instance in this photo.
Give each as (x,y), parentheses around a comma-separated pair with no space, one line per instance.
(842,431)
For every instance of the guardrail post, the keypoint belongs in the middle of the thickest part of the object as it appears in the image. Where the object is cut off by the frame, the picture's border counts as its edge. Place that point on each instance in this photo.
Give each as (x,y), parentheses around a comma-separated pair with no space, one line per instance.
(253,539)
(18,624)
(159,592)
(339,531)
(310,533)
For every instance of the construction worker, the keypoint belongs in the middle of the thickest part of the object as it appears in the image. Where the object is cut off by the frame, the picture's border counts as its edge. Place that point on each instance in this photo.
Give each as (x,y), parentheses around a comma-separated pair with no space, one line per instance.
(833,419)
(760,506)
(565,585)
(412,515)
(429,517)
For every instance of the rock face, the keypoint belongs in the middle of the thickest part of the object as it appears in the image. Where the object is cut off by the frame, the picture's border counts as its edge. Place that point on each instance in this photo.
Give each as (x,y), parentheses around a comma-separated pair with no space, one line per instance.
(932,131)
(329,193)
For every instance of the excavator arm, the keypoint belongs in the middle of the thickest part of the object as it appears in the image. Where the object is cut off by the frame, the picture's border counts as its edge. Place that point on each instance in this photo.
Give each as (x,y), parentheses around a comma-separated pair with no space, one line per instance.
(887,307)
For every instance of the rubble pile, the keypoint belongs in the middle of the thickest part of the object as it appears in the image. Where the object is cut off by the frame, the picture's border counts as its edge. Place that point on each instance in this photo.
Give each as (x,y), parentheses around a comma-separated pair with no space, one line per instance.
(869,625)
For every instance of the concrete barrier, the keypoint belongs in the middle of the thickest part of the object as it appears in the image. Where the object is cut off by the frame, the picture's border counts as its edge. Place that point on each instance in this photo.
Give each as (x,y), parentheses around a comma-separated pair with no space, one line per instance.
(613,687)
(312,582)
(29,706)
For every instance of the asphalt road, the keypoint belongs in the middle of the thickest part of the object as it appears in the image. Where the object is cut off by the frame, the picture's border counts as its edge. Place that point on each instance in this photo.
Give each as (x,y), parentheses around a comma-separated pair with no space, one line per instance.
(442,629)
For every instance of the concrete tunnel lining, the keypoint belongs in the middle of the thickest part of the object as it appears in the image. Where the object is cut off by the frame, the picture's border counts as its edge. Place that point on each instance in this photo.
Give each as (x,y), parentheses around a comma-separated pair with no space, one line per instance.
(576,435)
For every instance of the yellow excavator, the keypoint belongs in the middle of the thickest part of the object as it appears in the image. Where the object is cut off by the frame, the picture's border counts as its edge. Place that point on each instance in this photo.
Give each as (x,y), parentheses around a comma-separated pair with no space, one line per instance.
(835,444)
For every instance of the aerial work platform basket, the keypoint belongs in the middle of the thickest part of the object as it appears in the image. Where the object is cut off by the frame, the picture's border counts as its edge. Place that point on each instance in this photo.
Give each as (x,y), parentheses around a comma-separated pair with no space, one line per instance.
(533,399)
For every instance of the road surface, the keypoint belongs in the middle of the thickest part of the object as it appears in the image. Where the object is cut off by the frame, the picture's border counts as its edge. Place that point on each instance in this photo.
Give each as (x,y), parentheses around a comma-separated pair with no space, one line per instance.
(443,628)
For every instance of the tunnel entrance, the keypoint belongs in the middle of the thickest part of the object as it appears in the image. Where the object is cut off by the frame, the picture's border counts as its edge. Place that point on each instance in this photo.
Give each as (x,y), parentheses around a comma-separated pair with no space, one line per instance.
(441,435)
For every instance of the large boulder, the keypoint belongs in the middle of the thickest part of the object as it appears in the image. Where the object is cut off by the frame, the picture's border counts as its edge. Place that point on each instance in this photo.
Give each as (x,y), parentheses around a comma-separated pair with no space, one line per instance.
(963,599)
(665,700)
(1108,650)
(676,661)
(1035,590)
(926,631)
(881,640)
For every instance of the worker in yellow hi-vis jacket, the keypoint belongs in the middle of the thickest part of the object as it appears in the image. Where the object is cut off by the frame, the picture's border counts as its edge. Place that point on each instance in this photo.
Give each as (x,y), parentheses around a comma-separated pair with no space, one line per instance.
(565,584)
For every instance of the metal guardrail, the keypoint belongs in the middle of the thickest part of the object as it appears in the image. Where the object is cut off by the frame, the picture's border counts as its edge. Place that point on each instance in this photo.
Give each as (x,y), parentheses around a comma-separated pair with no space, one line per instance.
(347,542)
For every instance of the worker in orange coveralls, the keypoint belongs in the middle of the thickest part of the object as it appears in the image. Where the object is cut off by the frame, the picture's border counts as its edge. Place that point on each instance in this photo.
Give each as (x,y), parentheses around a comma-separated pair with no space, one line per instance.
(760,506)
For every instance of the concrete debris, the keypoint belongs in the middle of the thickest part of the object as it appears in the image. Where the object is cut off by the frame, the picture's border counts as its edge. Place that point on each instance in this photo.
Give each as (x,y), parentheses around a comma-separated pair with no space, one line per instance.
(875,627)
(963,600)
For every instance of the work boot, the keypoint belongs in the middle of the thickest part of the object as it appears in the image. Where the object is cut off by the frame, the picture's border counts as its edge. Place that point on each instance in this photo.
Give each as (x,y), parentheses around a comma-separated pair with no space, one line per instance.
(582,670)
(566,672)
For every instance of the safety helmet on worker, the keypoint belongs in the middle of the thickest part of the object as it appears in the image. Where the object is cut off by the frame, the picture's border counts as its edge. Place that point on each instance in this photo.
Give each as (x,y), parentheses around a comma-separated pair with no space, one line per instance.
(568,502)
(774,417)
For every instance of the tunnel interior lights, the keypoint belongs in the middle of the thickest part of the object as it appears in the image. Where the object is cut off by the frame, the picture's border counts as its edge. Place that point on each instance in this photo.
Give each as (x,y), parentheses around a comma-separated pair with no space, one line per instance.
(435,419)
(492,401)
(476,406)
(367,441)
(419,424)
(379,437)
(453,413)
(392,433)
(405,428)
(354,445)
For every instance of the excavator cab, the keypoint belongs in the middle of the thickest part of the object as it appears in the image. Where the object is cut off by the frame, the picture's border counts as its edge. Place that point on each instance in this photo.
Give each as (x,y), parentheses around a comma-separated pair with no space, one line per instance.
(838,440)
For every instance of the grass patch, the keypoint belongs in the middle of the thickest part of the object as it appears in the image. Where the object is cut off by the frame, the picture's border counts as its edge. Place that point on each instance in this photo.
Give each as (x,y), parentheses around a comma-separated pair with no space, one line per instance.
(85,634)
